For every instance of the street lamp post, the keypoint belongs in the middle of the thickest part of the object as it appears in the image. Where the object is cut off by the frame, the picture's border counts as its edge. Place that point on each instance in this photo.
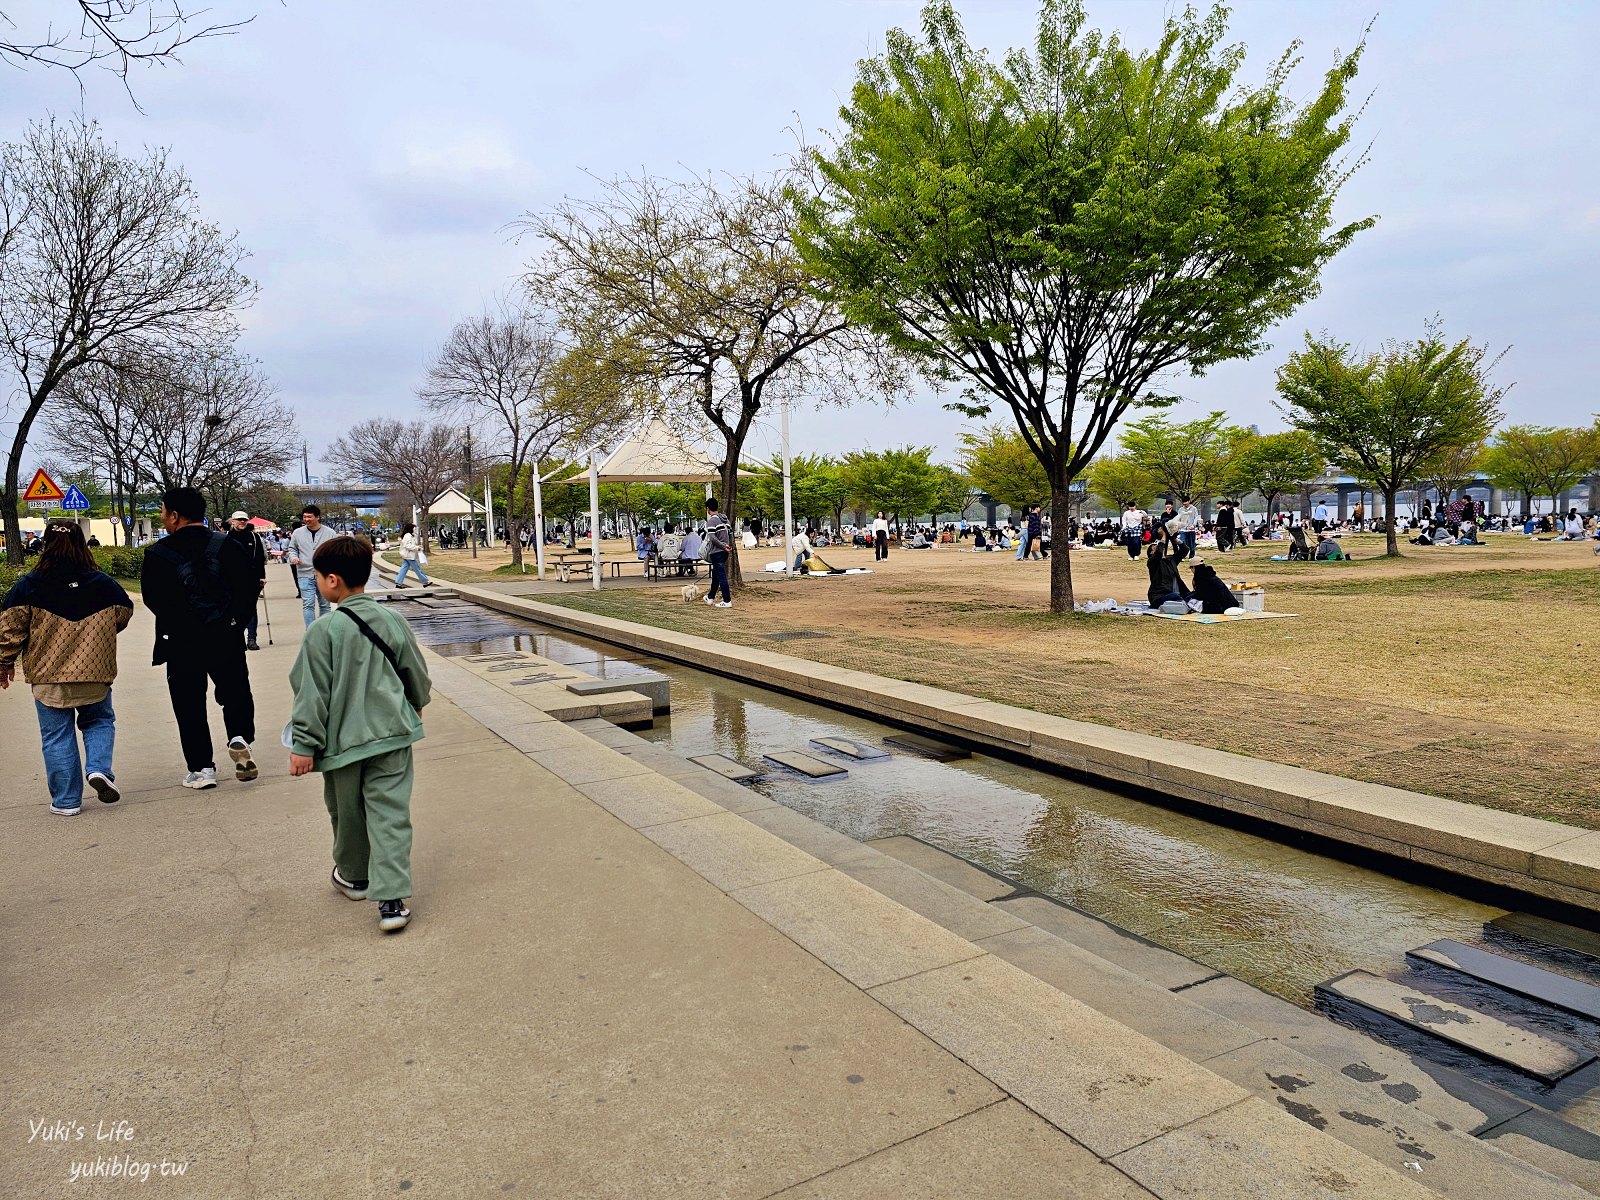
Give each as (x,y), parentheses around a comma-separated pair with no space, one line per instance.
(472,503)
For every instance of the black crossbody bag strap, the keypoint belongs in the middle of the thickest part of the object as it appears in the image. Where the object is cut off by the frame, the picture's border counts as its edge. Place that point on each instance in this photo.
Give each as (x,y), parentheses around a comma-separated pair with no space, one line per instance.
(383,649)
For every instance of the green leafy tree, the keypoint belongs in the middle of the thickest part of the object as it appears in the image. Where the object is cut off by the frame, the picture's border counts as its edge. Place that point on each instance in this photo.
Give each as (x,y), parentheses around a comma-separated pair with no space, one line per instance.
(1187,459)
(1382,416)
(1000,462)
(952,491)
(1119,481)
(1059,231)
(899,482)
(1540,460)
(816,489)
(1452,467)
(1275,464)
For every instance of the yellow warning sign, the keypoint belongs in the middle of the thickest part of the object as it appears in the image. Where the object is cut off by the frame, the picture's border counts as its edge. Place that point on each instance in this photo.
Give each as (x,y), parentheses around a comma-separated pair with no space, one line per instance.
(43,488)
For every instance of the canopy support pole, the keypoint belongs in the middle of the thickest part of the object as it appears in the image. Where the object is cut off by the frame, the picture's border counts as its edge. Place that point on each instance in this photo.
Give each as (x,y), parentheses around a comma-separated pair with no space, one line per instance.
(788,500)
(594,519)
(538,523)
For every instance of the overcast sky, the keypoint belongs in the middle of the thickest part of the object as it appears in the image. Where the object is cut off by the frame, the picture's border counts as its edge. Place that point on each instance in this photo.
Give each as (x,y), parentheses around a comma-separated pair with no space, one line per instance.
(370,154)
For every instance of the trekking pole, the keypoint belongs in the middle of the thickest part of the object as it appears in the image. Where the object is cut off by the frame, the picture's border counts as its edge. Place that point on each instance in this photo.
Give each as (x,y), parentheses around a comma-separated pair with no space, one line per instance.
(266,611)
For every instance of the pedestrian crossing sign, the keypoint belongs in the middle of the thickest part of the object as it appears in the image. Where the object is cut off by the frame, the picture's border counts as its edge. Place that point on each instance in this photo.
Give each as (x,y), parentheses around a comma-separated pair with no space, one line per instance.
(43,491)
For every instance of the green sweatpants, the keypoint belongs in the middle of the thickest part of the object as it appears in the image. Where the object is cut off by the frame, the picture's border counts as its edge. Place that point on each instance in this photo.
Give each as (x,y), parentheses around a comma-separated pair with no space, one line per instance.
(370,805)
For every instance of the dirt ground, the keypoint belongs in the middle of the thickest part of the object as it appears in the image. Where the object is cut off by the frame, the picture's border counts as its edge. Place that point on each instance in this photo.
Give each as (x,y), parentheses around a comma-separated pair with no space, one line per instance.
(1457,671)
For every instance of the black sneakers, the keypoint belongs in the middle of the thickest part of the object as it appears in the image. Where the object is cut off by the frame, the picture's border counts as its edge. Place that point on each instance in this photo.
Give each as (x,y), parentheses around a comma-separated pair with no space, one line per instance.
(393,915)
(354,889)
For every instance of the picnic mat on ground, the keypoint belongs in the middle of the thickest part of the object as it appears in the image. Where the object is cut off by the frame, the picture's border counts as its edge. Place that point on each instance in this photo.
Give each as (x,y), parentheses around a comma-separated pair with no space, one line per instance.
(1195,618)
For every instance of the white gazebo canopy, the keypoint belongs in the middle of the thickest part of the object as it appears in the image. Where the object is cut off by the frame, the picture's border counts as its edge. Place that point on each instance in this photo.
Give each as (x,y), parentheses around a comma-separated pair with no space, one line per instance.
(657,455)
(652,454)
(452,502)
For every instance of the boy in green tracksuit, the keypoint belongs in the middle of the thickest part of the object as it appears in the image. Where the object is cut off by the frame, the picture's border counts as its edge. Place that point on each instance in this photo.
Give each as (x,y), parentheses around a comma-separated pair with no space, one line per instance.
(359,685)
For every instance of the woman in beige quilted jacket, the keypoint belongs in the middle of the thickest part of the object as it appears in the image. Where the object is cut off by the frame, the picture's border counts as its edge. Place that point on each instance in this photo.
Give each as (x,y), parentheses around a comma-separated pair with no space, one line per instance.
(61,620)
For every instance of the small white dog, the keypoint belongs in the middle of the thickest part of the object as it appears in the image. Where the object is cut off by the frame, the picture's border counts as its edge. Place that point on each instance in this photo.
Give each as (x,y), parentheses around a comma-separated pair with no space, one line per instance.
(691,593)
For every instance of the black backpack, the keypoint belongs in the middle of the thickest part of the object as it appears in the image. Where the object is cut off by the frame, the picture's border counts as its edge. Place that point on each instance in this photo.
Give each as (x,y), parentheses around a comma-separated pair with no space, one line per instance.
(202,580)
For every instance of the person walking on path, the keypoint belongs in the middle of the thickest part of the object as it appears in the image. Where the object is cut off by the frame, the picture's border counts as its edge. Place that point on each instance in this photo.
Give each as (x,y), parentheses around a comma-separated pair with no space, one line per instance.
(250,541)
(880,538)
(1133,519)
(61,620)
(303,544)
(1187,520)
(359,688)
(719,544)
(202,587)
(1033,533)
(410,558)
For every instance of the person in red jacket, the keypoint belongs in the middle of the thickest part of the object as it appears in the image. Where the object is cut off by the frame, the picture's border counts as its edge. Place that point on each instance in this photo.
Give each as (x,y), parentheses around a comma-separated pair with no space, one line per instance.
(61,620)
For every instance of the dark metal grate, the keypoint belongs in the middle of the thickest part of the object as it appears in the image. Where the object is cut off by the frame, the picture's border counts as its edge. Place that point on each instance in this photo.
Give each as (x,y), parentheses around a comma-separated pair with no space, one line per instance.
(794,635)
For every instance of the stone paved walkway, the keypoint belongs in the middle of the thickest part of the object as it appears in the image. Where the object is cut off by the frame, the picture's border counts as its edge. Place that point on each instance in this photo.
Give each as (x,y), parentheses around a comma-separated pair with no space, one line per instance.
(589,1002)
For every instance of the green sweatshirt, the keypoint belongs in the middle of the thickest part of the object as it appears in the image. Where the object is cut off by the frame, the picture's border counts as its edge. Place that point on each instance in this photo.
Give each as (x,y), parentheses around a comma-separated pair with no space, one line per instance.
(348,702)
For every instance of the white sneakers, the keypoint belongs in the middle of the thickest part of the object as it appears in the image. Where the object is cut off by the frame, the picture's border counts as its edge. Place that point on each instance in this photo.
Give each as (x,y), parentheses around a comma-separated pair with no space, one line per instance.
(244,766)
(724,603)
(104,788)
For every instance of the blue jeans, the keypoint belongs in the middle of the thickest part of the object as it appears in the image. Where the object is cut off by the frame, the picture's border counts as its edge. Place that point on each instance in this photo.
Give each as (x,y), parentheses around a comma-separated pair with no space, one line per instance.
(719,575)
(63,770)
(410,565)
(310,598)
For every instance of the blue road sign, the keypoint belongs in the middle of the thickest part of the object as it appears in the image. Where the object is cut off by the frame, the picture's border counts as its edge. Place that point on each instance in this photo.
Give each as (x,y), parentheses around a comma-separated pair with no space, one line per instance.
(75,501)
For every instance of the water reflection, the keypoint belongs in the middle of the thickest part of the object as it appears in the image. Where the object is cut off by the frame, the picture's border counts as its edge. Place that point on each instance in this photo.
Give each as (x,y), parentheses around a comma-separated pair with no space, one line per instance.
(1276,916)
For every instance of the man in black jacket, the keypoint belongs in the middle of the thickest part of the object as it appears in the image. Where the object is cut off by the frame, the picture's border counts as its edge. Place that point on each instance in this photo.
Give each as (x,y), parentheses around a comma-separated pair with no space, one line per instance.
(202,586)
(244,533)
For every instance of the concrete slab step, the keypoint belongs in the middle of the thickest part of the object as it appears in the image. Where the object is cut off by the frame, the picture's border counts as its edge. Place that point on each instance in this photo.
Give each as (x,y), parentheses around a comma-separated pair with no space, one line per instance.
(928,747)
(1510,975)
(851,748)
(950,868)
(1144,958)
(1520,1049)
(1553,933)
(807,764)
(1547,1141)
(648,683)
(1441,1093)
(1440,1156)
(728,768)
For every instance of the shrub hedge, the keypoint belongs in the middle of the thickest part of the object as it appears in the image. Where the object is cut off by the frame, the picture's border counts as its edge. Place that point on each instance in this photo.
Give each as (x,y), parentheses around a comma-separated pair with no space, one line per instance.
(119,562)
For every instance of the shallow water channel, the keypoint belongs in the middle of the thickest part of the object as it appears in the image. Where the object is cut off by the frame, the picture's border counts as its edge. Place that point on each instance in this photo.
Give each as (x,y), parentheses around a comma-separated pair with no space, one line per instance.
(1279,917)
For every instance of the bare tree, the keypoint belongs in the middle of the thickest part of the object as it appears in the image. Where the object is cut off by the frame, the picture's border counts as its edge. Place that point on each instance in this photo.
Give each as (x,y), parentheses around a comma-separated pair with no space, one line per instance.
(410,457)
(115,34)
(506,368)
(699,289)
(105,255)
(207,419)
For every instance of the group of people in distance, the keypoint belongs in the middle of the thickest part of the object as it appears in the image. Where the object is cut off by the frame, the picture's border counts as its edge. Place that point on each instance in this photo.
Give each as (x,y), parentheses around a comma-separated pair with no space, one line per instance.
(359,680)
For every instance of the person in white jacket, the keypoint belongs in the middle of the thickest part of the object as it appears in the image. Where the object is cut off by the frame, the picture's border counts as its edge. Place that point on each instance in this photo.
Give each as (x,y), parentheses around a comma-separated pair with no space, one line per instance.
(411,559)
(801,546)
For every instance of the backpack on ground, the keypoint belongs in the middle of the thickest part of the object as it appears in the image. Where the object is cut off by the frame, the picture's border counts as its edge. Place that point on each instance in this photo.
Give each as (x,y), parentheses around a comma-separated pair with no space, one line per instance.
(202,580)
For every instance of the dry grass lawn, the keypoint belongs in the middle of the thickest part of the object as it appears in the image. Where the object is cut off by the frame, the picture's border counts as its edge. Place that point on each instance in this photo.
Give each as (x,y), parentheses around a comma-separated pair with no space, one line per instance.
(1462,672)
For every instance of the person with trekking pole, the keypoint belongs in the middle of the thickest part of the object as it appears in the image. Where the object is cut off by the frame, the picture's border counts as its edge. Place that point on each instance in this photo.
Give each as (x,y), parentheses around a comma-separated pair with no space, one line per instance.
(250,541)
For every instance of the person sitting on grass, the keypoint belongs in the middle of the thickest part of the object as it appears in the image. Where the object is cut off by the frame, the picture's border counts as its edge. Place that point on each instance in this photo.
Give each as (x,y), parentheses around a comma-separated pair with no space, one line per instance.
(1161,562)
(1328,549)
(360,685)
(1214,595)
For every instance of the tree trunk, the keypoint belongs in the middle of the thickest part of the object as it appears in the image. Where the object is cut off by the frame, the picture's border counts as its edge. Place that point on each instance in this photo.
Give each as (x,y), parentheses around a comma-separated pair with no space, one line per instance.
(1389,520)
(513,519)
(730,501)
(1061,598)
